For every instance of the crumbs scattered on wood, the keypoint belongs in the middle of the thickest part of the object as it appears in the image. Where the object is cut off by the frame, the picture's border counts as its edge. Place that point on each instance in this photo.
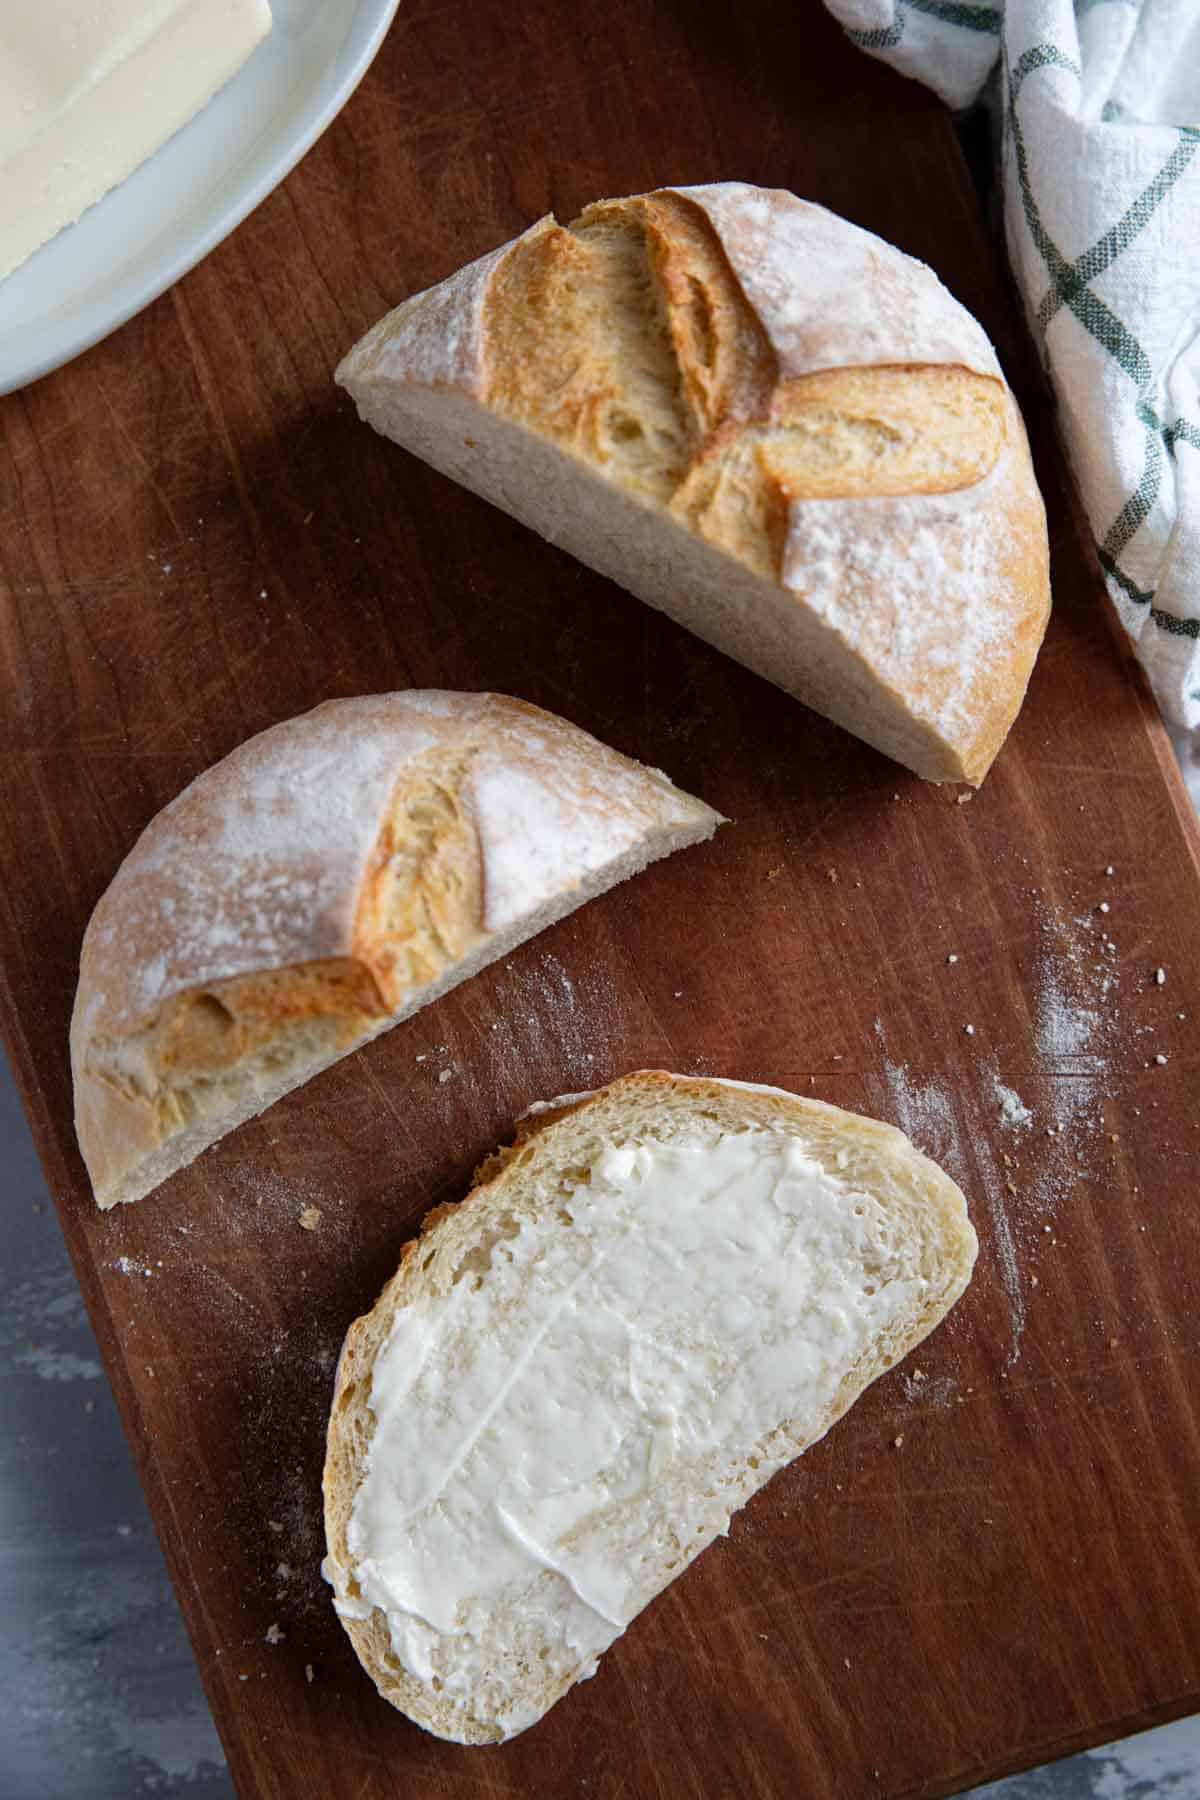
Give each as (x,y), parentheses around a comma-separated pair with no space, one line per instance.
(274,1635)
(1160,977)
(445,1075)
(310,1218)
(898,1441)
(308,1673)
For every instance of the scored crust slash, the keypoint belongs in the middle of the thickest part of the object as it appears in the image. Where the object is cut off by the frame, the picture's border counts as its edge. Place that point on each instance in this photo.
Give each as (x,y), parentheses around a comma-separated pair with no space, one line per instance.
(323,882)
(764,421)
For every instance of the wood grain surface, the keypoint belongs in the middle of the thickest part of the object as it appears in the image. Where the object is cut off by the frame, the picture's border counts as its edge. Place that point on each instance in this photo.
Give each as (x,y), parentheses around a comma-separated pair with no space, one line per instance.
(994,1558)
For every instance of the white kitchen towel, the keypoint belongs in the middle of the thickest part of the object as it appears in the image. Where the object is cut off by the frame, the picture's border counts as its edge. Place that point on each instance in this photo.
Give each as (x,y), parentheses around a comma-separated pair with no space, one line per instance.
(1101,182)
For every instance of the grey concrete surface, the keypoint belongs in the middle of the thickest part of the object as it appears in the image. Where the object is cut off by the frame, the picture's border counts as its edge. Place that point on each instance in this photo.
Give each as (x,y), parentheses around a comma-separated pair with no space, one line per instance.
(101,1699)
(101,1696)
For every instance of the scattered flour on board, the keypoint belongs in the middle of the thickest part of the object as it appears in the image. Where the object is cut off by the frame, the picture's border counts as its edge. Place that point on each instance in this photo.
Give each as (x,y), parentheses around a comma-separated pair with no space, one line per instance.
(996,1189)
(1066,1026)
(936,1390)
(1029,1157)
(925,1112)
(561,1014)
(1076,1025)
(264,1200)
(1013,1110)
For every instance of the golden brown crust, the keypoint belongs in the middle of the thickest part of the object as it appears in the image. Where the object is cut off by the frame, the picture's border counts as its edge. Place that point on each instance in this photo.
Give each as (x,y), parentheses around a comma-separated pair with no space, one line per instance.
(208,1030)
(421,902)
(375,835)
(628,340)
(1021,571)
(764,421)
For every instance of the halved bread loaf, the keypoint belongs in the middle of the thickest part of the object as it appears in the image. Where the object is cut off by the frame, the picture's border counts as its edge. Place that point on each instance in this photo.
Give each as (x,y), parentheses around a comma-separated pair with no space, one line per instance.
(661,1294)
(763,420)
(320,884)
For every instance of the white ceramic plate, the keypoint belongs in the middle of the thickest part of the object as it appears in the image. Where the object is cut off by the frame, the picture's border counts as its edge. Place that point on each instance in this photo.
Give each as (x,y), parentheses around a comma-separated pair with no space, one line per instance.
(179,205)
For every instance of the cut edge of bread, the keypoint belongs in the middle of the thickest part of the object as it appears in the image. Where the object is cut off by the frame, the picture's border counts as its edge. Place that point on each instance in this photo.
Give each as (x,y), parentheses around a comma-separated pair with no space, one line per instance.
(307,1050)
(552,1142)
(760,622)
(910,615)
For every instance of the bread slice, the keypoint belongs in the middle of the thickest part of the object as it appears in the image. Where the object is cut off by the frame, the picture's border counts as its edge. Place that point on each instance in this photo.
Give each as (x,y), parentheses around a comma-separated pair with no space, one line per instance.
(320,884)
(657,1297)
(763,420)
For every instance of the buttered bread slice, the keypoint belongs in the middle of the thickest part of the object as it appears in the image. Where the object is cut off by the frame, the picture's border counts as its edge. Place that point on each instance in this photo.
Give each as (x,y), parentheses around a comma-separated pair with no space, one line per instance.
(661,1294)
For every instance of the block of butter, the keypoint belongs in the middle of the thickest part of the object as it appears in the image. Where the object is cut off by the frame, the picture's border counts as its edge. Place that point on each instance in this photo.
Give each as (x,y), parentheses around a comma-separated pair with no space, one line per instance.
(90,88)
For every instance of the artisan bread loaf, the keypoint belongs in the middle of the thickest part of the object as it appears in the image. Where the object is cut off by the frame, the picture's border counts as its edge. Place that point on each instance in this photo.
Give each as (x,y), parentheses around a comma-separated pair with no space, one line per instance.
(763,420)
(661,1294)
(320,884)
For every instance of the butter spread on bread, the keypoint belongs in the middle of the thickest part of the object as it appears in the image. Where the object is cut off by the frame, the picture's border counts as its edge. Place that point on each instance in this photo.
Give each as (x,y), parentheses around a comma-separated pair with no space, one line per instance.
(763,420)
(320,884)
(661,1294)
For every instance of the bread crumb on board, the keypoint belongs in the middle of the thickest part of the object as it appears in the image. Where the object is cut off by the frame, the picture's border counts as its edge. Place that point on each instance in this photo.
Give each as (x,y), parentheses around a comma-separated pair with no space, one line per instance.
(310,1218)
(274,1635)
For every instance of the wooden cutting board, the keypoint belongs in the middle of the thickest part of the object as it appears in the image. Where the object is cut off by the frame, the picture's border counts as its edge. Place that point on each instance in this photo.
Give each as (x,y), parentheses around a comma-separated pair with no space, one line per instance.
(994,1558)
